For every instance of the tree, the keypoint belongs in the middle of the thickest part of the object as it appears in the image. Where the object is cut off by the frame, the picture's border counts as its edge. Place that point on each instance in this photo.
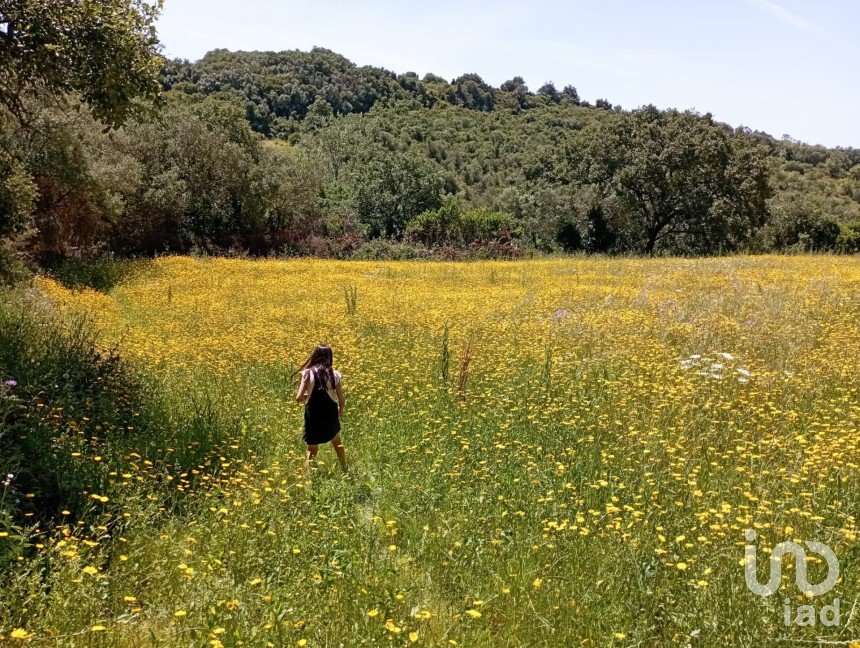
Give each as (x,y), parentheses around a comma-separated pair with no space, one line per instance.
(17,194)
(319,114)
(519,93)
(549,91)
(838,164)
(687,183)
(470,91)
(517,84)
(391,189)
(570,94)
(105,52)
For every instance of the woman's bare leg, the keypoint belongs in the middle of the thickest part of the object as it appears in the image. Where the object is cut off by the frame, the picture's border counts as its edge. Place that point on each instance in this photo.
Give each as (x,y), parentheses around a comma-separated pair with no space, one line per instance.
(312,452)
(341,452)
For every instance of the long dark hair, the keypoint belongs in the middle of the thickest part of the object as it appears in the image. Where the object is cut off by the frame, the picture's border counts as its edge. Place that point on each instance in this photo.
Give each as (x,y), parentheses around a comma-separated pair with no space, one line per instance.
(320,362)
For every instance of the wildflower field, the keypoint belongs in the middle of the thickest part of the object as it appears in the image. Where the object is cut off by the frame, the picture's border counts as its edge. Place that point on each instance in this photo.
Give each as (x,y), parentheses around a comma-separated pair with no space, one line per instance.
(542,453)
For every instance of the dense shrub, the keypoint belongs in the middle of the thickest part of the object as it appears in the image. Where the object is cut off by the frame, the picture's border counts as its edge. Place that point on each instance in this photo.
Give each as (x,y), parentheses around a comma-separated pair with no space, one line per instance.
(75,417)
(848,239)
(801,224)
(96,272)
(12,269)
(452,225)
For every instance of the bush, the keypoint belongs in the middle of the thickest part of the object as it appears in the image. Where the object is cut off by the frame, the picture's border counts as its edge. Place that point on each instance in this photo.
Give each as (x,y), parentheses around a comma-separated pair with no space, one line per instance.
(12,269)
(848,239)
(89,272)
(74,416)
(386,250)
(451,225)
(800,224)
(482,224)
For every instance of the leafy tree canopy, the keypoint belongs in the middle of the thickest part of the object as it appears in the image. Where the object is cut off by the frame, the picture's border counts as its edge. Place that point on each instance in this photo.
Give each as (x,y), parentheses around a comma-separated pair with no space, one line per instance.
(105,51)
(678,176)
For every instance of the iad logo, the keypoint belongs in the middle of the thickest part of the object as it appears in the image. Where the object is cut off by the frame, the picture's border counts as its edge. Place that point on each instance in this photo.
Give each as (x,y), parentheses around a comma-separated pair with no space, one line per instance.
(805,615)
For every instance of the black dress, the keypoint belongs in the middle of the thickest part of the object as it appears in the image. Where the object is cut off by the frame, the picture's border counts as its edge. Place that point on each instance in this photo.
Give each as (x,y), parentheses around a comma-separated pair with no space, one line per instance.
(322,424)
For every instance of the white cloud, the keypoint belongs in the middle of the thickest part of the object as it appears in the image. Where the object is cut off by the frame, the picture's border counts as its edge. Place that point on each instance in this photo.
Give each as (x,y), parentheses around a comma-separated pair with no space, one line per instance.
(786,16)
(791,18)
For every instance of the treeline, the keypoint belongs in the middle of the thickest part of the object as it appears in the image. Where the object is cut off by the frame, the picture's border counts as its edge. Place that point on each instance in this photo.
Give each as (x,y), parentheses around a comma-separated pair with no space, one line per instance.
(279,90)
(307,153)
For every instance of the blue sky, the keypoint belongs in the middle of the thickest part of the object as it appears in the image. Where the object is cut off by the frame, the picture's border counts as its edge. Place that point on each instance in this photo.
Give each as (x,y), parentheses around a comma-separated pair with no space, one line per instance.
(782,66)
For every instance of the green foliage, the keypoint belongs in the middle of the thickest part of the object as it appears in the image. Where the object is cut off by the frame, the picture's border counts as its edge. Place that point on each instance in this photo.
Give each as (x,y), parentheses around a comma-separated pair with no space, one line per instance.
(73,416)
(801,224)
(598,236)
(547,213)
(199,185)
(306,153)
(18,193)
(202,178)
(77,181)
(392,188)
(470,91)
(96,272)
(479,154)
(453,225)
(12,269)
(549,91)
(848,239)
(56,56)
(482,224)
(813,207)
(676,181)
(277,89)
(435,227)
(105,52)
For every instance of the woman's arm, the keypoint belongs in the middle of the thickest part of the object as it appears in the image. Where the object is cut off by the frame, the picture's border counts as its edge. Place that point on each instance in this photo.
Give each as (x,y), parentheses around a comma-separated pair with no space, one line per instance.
(304,388)
(341,399)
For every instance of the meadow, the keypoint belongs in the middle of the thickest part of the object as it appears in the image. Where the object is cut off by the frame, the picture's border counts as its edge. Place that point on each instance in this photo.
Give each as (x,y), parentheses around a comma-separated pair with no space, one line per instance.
(562,452)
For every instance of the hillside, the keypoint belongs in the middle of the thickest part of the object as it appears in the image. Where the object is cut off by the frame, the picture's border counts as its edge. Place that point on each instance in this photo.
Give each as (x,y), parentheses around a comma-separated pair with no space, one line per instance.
(307,153)
(495,146)
(488,141)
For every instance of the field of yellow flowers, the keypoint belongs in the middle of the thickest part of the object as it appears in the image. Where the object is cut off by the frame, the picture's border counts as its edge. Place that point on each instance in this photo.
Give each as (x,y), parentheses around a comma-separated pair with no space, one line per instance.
(543,453)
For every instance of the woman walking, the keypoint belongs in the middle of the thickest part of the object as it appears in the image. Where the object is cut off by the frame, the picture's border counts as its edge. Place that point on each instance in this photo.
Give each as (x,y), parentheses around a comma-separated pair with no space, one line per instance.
(320,390)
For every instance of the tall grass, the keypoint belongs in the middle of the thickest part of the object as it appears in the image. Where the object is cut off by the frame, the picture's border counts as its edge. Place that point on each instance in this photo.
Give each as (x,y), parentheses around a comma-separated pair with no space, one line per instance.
(85,439)
(350,295)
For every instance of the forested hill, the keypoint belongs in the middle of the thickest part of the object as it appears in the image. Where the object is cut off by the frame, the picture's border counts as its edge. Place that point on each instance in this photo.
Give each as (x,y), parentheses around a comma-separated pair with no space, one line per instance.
(280,88)
(307,153)
(283,88)
(508,148)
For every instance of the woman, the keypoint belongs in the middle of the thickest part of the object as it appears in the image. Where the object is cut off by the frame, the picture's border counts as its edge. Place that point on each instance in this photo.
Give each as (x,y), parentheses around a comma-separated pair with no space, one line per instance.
(320,390)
